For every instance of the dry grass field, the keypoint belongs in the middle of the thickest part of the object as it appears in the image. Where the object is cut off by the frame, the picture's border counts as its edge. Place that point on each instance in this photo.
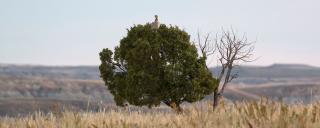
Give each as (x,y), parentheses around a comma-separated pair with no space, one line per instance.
(258,114)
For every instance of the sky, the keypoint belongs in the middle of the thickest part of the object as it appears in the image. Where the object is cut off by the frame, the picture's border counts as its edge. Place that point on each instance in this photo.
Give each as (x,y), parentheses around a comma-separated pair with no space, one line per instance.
(73,32)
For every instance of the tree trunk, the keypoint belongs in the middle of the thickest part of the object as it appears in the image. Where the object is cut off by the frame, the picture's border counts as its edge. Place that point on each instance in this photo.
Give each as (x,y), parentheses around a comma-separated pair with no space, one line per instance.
(176,107)
(179,110)
(216,98)
(218,94)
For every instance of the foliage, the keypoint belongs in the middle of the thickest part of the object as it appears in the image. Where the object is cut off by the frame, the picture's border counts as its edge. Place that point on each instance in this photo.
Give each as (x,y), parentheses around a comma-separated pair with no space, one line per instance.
(156,65)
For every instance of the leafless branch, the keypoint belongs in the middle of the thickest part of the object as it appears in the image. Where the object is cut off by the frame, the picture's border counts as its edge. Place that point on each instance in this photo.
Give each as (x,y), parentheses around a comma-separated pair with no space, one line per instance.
(206,46)
(120,66)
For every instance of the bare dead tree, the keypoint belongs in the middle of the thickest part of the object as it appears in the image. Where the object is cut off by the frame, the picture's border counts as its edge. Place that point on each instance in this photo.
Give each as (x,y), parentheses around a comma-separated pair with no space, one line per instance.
(231,49)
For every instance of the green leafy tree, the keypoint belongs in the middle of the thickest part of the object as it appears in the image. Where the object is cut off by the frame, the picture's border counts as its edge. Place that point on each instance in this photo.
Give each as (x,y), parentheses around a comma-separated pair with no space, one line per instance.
(151,66)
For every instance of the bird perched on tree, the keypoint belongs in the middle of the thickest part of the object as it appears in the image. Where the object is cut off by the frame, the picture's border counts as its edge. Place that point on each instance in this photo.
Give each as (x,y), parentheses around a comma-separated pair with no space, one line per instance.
(155,24)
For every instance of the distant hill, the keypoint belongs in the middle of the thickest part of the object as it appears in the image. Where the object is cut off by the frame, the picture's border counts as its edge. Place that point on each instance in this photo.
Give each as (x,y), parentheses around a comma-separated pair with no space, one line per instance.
(54,72)
(42,87)
(92,72)
(259,74)
(250,75)
(275,70)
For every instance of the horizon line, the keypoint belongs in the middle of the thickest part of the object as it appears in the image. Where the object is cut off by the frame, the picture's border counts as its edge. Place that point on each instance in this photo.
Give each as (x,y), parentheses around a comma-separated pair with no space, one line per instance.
(88,65)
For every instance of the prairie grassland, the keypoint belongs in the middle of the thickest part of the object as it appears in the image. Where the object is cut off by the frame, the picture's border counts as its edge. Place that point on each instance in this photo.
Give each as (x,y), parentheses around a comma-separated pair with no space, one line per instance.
(260,114)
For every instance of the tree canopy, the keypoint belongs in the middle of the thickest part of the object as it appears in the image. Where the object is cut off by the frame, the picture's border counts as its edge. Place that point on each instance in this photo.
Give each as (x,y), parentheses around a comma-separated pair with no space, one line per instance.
(151,66)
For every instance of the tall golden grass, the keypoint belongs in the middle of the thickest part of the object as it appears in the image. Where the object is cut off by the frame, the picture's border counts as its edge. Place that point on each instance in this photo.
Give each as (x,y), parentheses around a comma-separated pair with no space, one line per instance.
(258,114)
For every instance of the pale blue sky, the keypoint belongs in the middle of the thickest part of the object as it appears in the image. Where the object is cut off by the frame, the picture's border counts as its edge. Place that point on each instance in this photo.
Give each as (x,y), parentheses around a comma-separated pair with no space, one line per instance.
(72,32)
